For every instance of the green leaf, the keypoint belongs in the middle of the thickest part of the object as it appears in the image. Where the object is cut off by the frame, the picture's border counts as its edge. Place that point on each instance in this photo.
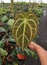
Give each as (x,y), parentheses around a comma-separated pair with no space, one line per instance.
(3,52)
(15,63)
(6,27)
(10,22)
(11,39)
(31,53)
(24,28)
(4,19)
(1,44)
(2,29)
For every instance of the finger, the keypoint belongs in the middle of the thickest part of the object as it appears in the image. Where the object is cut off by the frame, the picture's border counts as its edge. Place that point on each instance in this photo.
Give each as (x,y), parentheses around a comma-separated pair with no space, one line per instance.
(31,46)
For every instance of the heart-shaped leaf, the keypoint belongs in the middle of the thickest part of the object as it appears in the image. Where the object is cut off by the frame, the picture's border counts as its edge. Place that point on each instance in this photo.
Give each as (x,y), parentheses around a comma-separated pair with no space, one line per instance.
(24,28)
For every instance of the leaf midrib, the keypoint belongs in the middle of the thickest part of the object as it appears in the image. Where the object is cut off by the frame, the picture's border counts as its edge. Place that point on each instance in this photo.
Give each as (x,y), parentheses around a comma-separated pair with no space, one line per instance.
(25,20)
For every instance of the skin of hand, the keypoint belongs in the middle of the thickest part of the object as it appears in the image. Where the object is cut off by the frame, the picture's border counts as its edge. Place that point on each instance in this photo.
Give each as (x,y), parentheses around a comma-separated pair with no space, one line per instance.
(42,53)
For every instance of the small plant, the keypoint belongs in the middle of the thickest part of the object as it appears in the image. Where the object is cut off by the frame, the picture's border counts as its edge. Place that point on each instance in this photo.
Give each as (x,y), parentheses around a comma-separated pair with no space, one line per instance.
(24,28)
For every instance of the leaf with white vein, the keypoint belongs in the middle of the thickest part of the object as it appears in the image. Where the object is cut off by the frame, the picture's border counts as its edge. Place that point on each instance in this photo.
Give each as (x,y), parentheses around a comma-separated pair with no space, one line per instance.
(24,28)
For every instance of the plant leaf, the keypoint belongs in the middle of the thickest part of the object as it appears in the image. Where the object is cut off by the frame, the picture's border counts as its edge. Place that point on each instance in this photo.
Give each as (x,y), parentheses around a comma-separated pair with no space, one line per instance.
(10,22)
(24,28)
(3,52)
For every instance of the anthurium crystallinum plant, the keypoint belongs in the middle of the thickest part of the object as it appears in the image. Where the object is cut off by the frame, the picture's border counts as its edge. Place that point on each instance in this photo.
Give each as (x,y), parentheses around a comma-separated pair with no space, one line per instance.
(24,28)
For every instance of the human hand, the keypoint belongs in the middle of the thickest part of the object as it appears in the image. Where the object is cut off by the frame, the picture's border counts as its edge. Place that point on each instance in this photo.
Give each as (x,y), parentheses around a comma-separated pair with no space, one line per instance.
(33,46)
(42,53)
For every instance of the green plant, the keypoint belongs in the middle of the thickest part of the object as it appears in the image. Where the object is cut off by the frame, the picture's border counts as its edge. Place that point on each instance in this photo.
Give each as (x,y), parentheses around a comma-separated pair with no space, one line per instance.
(24,28)
(4,19)
(10,22)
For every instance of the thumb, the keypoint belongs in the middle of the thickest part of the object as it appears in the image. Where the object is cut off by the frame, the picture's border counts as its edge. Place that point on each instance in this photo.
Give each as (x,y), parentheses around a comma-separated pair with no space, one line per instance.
(32,45)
